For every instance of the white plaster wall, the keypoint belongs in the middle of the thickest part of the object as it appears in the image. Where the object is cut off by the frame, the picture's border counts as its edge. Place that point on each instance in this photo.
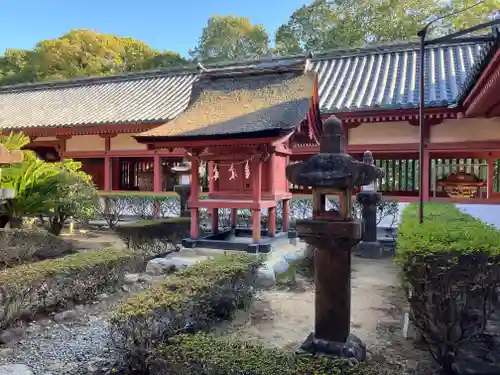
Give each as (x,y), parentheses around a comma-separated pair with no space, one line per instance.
(126,142)
(383,133)
(46,139)
(85,143)
(462,130)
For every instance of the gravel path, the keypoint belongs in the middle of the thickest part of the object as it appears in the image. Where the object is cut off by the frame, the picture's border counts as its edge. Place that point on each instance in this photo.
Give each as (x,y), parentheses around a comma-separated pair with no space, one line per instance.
(74,342)
(79,347)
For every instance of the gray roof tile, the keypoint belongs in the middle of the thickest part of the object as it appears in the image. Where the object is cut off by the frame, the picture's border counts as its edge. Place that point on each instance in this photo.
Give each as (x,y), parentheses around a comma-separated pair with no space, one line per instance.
(390,79)
(384,77)
(97,101)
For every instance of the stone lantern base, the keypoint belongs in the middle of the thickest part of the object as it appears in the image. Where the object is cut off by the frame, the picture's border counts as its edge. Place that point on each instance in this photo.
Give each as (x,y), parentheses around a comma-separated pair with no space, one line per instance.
(352,348)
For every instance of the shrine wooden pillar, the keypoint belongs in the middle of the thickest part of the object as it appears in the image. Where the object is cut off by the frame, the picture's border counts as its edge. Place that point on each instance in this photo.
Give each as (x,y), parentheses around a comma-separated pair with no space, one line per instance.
(234,218)
(108,167)
(491,176)
(215,220)
(286,215)
(427,174)
(193,199)
(256,197)
(271,224)
(157,188)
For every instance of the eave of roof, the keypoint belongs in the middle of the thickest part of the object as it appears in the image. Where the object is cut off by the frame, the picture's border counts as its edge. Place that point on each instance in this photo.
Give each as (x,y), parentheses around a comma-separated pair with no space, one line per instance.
(375,77)
(489,50)
(243,100)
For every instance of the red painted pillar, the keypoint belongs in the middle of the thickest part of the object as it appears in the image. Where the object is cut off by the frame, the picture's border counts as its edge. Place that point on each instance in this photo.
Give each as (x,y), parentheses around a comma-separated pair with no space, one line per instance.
(234,218)
(157,188)
(286,215)
(256,225)
(256,197)
(108,170)
(272,168)
(193,199)
(427,174)
(491,176)
(211,181)
(215,220)
(271,225)
(116,174)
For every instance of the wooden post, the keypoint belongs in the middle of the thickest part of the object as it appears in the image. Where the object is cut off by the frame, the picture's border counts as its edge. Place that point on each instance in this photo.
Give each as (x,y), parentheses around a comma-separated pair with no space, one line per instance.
(211,181)
(157,188)
(256,180)
(256,197)
(255,225)
(194,197)
(194,230)
(286,215)
(156,183)
(234,218)
(215,220)
(271,218)
(427,172)
(271,171)
(108,170)
(195,182)
(491,176)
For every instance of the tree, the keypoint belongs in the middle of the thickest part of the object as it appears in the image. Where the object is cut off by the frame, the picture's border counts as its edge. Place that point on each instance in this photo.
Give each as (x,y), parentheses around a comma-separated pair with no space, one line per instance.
(324,24)
(76,195)
(57,190)
(82,52)
(479,14)
(231,38)
(17,66)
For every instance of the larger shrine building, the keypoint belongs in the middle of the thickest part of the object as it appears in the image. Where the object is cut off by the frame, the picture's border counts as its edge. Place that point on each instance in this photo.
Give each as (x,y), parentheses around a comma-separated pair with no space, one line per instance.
(373,90)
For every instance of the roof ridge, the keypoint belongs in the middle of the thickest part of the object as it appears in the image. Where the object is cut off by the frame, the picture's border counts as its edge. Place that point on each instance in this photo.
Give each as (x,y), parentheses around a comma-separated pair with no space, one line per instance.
(193,68)
(390,47)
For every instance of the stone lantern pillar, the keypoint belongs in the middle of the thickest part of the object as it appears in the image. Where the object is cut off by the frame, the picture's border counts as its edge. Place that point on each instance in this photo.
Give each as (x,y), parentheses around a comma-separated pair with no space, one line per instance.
(183,171)
(332,233)
(368,198)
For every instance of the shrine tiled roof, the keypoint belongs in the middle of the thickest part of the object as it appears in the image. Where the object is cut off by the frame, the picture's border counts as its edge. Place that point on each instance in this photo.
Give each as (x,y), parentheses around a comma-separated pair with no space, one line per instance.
(371,78)
(243,100)
(127,99)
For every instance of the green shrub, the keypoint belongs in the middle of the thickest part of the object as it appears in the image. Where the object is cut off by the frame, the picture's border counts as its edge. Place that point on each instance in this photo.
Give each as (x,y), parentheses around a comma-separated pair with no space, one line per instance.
(451,268)
(203,354)
(34,287)
(155,237)
(19,246)
(191,300)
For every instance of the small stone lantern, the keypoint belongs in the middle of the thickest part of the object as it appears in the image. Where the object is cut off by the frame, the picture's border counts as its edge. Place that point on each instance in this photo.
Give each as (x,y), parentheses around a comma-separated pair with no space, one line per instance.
(368,198)
(332,233)
(183,171)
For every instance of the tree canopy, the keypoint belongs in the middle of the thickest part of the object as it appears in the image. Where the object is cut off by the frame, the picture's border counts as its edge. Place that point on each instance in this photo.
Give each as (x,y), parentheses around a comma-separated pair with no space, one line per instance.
(82,52)
(231,38)
(324,24)
(320,25)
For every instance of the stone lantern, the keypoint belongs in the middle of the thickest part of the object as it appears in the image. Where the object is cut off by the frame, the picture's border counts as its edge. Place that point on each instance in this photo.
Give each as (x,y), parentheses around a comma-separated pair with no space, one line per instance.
(183,189)
(368,198)
(332,233)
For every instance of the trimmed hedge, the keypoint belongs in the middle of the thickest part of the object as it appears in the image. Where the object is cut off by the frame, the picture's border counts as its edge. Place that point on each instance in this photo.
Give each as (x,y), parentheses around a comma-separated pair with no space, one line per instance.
(19,246)
(31,288)
(203,354)
(191,300)
(155,237)
(451,268)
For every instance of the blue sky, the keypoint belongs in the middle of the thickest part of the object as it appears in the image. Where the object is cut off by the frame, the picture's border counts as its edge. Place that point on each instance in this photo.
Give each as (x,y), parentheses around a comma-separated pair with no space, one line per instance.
(168,24)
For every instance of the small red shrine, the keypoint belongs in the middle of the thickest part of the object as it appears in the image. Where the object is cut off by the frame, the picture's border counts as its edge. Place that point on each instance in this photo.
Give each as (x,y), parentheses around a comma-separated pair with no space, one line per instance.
(239,122)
